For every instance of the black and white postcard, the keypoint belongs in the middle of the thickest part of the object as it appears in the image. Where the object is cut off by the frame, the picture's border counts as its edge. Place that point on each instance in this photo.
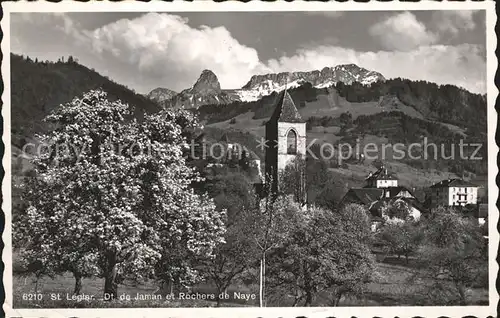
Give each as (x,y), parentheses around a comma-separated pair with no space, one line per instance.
(264,160)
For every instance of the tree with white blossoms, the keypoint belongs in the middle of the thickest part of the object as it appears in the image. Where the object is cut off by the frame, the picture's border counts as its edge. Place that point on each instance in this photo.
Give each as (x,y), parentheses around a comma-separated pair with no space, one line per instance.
(401,233)
(323,252)
(454,257)
(271,227)
(112,196)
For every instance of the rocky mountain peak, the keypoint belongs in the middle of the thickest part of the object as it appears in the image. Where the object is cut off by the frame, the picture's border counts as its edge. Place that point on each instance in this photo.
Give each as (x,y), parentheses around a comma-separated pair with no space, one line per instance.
(161,94)
(207,83)
(206,91)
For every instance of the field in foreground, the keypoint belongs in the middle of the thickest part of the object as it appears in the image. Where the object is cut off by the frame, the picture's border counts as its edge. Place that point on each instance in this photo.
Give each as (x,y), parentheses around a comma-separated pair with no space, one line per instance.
(390,288)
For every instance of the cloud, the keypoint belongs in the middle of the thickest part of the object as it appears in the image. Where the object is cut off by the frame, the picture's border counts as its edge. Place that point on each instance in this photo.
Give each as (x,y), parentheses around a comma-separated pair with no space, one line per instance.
(44,35)
(165,46)
(402,32)
(163,50)
(159,48)
(453,21)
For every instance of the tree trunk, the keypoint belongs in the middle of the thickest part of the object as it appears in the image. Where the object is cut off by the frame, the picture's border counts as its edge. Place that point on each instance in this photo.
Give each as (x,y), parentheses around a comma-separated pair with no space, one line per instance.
(110,285)
(36,284)
(308,288)
(220,289)
(264,280)
(308,299)
(78,284)
(261,280)
(336,298)
(463,297)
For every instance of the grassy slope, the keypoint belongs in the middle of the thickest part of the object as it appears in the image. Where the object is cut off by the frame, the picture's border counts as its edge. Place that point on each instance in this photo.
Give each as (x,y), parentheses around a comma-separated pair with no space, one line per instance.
(334,105)
(326,103)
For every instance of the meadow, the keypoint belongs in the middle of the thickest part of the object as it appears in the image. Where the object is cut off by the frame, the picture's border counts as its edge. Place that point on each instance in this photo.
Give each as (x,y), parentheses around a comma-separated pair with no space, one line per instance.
(392,286)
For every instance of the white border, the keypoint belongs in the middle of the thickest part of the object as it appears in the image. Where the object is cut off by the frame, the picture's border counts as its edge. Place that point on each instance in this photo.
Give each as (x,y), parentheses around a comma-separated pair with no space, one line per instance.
(69,6)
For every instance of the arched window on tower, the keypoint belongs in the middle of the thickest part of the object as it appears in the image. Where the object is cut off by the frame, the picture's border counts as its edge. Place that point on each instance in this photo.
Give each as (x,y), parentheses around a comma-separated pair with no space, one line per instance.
(291,142)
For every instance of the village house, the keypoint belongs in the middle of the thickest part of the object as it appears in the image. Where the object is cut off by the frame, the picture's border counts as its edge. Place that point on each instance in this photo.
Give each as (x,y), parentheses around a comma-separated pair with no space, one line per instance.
(382,190)
(453,192)
(377,199)
(381,179)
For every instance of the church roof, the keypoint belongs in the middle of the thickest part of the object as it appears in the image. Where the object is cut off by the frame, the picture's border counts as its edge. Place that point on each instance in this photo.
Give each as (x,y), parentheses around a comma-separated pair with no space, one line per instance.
(285,110)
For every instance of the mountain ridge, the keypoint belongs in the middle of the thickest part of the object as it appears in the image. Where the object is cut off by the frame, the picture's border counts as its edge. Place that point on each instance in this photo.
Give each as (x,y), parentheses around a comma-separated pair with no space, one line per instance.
(39,87)
(346,73)
(207,90)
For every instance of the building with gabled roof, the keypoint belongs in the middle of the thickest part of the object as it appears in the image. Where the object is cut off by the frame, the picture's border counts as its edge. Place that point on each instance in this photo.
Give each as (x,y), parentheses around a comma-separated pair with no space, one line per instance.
(453,192)
(362,196)
(381,179)
(375,199)
(452,183)
(399,191)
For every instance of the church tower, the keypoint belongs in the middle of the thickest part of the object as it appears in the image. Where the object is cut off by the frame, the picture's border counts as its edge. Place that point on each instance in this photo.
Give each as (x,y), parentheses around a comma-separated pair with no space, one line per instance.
(286,140)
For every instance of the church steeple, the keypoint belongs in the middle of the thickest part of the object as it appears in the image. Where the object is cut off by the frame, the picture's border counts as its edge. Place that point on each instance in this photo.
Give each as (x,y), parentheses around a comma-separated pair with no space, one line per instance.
(286,111)
(286,137)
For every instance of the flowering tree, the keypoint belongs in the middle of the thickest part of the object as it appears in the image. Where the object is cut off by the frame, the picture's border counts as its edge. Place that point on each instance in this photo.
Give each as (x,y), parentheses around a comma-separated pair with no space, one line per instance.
(454,255)
(323,252)
(292,180)
(401,233)
(235,194)
(112,195)
(270,227)
(402,238)
(396,212)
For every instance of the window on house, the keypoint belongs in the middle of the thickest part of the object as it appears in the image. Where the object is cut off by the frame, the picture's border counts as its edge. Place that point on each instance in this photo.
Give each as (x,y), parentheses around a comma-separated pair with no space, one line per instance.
(291,142)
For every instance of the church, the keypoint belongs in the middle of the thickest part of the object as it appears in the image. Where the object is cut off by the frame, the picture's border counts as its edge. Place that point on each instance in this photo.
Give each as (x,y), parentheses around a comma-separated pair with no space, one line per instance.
(286,141)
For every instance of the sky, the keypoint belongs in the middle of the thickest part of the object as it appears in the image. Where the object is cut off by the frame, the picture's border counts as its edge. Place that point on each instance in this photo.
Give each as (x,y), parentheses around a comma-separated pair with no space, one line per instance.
(148,50)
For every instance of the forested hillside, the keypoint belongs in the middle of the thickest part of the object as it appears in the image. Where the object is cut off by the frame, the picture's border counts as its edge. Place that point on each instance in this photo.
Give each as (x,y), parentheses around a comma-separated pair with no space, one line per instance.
(39,86)
(445,103)
(398,110)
